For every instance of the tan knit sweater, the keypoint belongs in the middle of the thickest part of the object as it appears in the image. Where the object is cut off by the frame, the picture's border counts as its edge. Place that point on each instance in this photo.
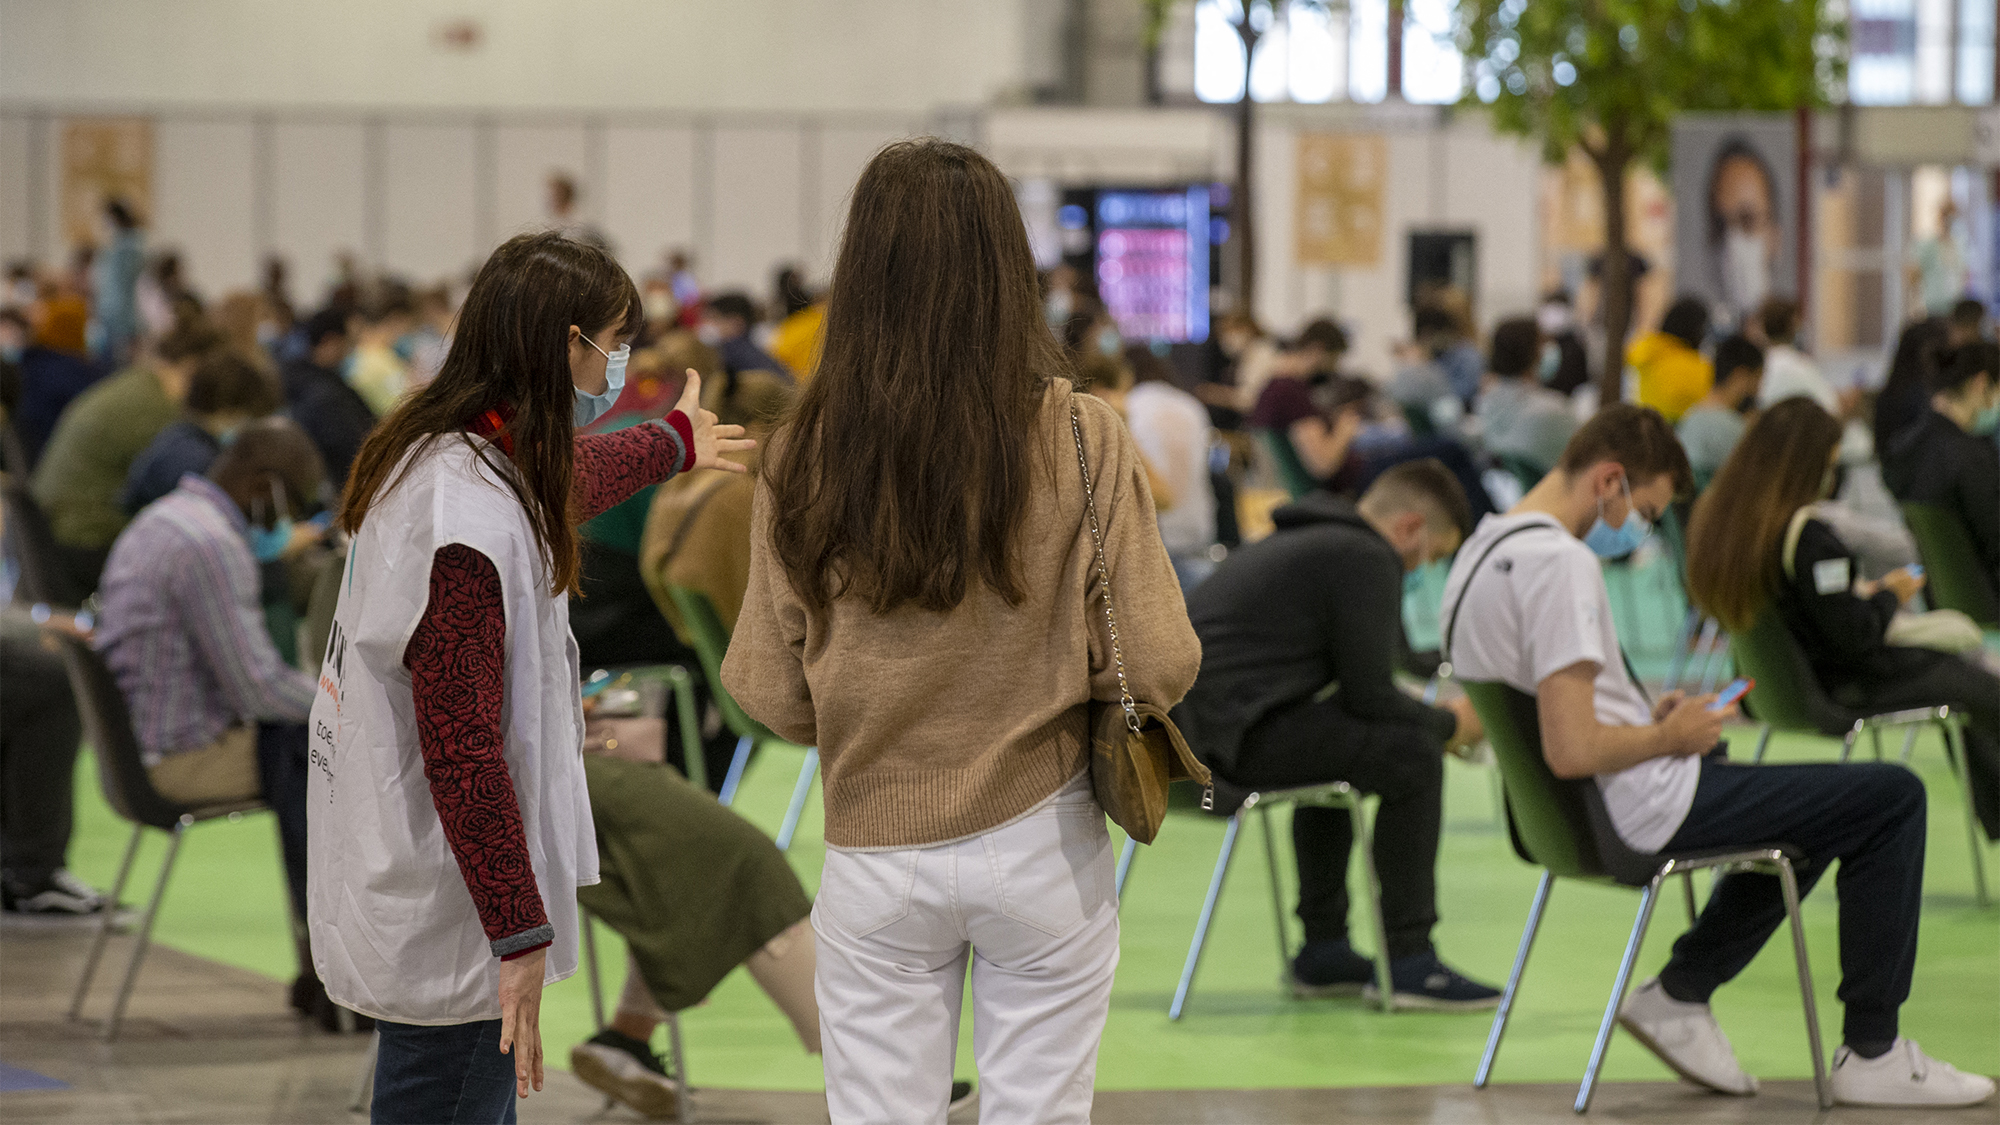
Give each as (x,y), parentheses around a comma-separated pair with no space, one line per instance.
(936,726)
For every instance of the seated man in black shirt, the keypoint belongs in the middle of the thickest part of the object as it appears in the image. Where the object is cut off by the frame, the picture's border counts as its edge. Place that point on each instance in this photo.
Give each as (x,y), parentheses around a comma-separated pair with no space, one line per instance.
(1947,459)
(1299,635)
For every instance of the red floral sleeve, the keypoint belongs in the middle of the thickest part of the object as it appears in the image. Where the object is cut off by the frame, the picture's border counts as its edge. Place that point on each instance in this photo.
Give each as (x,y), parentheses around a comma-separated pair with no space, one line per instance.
(611,467)
(457,667)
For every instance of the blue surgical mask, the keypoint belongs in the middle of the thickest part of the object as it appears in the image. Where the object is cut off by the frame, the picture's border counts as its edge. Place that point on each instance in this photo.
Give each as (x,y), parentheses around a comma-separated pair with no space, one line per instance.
(590,407)
(1986,421)
(267,544)
(1110,342)
(1616,542)
(1552,361)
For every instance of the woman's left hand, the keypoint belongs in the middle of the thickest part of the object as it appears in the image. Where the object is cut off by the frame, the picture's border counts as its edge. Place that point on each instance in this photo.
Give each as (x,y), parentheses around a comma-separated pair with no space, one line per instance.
(711,439)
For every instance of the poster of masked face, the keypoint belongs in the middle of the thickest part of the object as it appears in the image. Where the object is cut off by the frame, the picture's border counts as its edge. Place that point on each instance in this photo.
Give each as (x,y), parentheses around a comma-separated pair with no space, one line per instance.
(1735,185)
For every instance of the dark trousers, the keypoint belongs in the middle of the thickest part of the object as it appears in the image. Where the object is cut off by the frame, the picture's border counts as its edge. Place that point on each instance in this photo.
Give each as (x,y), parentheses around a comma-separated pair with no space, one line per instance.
(39,733)
(1404,765)
(1971,691)
(281,776)
(1867,815)
(450,1075)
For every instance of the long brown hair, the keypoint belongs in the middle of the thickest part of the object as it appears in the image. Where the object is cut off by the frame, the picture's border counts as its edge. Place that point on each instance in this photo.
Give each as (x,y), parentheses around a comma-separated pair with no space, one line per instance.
(905,469)
(1736,535)
(510,351)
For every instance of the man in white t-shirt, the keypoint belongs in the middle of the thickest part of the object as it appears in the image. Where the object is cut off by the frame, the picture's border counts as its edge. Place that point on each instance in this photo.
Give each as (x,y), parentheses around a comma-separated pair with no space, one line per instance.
(1526,606)
(1171,428)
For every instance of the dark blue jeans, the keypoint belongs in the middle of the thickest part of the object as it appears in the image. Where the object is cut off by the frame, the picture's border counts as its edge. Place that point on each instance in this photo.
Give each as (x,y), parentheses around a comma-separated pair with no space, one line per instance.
(451,1075)
(1867,815)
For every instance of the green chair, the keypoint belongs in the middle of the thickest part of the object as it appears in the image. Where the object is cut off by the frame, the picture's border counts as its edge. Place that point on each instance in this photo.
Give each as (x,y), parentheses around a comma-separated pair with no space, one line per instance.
(1563,828)
(711,642)
(1788,697)
(1951,566)
(1285,464)
(1525,472)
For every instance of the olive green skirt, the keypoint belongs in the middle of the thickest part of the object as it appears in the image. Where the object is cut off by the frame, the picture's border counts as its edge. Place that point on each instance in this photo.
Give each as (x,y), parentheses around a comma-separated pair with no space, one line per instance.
(692,887)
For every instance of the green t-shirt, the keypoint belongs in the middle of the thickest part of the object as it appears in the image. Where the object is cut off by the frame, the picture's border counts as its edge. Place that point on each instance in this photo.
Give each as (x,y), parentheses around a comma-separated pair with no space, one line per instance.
(83,467)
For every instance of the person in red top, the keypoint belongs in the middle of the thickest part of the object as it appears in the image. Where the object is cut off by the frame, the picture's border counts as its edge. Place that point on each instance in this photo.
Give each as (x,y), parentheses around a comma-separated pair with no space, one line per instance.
(484,687)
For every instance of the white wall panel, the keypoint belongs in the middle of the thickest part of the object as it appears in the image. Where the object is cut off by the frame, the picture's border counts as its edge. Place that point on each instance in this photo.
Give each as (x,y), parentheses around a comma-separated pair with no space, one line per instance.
(17,225)
(318,209)
(428,188)
(524,156)
(842,154)
(204,191)
(649,193)
(756,207)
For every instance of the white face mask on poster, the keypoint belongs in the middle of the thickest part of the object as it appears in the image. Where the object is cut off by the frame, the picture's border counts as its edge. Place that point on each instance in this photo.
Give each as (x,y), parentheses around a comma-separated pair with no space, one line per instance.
(1746,272)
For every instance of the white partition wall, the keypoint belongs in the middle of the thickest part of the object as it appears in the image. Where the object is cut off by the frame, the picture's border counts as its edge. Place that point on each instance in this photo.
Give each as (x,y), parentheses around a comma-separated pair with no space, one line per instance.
(204,199)
(649,192)
(524,157)
(426,195)
(757,173)
(428,189)
(318,173)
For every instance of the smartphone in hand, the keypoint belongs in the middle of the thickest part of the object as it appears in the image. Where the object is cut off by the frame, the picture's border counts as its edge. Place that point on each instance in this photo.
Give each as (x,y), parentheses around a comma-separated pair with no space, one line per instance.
(1736,690)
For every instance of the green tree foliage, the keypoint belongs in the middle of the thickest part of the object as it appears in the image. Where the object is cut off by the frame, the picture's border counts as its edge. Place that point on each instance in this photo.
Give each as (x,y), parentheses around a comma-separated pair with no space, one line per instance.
(1606,77)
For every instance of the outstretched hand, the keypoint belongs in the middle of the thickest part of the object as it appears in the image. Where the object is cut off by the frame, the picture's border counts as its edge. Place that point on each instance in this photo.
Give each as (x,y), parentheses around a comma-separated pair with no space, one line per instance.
(711,439)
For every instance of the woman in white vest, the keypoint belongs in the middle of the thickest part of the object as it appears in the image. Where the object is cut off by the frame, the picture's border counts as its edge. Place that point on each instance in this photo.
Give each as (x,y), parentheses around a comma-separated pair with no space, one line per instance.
(449,824)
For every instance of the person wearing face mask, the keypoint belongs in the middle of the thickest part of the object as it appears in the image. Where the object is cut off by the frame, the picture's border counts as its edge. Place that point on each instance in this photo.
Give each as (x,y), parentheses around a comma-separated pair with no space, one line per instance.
(447,729)
(1526,606)
(218,713)
(82,470)
(336,415)
(1712,427)
(1319,603)
(1947,458)
(1518,417)
(1672,373)
(224,393)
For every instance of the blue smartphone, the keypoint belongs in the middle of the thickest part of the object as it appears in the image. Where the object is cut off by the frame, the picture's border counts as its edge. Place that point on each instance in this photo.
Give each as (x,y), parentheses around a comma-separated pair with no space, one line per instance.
(1735,691)
(597,683)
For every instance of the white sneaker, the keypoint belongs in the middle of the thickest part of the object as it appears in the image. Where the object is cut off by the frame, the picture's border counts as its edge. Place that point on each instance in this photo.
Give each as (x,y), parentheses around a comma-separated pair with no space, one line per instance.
(1904,1076)
(1685,1037)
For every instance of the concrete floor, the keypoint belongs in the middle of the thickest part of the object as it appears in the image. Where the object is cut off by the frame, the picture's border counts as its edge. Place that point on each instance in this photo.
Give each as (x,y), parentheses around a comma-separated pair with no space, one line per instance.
(204,1042)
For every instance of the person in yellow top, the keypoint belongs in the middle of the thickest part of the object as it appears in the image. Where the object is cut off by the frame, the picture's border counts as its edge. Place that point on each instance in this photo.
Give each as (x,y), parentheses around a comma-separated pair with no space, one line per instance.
(796,341)
(1673,375)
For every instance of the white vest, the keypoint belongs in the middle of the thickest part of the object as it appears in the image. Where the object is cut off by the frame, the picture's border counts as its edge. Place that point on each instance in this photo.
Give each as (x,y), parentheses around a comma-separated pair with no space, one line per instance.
(394,932)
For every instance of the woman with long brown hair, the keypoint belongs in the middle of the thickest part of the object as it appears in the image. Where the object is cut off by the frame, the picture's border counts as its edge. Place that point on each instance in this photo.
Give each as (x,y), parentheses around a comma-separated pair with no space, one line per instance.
(449,823)
(923,589)
(1756,545)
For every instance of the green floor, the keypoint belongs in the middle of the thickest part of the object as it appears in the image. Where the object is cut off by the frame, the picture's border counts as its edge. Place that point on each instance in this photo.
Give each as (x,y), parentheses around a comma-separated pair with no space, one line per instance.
(1240,1030)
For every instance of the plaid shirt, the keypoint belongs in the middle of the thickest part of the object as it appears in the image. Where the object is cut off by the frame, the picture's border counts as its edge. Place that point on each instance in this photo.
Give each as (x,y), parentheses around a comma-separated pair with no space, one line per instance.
(182,625)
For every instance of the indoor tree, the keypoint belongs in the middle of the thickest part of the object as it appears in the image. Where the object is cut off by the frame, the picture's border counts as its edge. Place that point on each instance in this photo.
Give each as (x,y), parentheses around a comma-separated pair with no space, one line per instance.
(1607,76)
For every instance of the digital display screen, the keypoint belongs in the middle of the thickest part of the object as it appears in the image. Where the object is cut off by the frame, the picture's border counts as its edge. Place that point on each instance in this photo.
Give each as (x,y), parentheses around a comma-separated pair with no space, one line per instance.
(1152,262)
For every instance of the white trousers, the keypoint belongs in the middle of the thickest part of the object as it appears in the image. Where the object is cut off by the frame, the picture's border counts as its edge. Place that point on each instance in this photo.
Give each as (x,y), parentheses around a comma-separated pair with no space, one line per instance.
(1032,907)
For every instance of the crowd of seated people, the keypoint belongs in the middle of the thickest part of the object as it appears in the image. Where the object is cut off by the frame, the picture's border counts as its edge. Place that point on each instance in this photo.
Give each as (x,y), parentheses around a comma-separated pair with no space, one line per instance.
(176,496)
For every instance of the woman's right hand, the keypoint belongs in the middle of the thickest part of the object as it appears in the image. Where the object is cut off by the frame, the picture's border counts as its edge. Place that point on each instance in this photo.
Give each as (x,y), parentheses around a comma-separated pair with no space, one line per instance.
(1899,581)
(521,1017)
(711,439)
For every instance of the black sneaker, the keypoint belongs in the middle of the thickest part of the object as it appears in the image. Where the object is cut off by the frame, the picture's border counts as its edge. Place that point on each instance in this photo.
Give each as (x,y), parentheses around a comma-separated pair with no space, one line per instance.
(60,893)
(627,1071)
(1422,981)
(961,1096)
(1328,968)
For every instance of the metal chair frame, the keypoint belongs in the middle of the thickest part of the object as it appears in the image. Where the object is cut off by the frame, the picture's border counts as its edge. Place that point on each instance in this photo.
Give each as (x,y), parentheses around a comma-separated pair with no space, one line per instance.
(683,1105)
(1567,832)
(711,642)
(1768,860)
(1337,794)
(1950,727)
